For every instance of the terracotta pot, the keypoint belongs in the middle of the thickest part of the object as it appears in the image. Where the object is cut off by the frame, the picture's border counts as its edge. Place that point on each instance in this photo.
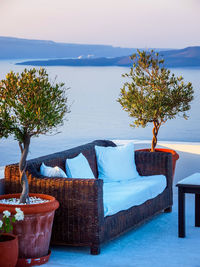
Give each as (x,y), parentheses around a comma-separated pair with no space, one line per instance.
(175,156)
(8,250)
(34,232)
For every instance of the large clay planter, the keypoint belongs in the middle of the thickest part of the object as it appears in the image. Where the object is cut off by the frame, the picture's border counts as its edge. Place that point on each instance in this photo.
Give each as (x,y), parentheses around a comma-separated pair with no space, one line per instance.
(8,250)
(175,156)
(34,232)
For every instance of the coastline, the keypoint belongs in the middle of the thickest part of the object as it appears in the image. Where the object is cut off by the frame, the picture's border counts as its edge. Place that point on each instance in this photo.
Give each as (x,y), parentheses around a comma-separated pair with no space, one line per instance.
(186,57)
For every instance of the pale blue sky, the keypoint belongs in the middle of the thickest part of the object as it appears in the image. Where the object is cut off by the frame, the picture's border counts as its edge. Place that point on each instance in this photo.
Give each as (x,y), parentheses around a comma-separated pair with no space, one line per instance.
(128,23)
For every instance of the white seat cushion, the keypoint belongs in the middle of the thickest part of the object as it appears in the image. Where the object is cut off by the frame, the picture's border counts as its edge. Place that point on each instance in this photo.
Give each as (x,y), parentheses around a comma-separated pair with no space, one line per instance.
(123,195)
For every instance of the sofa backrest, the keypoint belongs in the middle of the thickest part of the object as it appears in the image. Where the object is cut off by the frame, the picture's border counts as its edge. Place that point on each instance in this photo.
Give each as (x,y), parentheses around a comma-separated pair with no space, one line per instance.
(58,159)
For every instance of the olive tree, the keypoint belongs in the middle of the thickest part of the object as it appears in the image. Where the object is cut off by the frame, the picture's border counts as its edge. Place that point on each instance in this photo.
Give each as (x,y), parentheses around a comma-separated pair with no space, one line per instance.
(3,128)
(152,94)
(5,120)
(35,106)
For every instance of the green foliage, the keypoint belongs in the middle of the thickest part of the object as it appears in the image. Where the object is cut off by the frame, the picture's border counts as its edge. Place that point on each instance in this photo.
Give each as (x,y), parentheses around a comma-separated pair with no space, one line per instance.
(31,105)
(5,121)
(152,93)
(6,224)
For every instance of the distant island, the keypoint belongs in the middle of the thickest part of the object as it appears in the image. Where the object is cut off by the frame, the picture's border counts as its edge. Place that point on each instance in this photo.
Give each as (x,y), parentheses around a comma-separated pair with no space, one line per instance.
(187,57)
(49,53)
(83,62)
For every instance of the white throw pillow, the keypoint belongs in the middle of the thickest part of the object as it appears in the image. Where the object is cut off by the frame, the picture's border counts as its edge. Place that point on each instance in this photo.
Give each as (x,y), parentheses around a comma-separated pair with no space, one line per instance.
(116,163)
(52,171)
(79,167)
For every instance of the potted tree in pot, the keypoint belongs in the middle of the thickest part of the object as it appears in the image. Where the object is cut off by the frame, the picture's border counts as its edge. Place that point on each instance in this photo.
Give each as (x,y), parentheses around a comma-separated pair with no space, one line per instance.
(36,106)
(154,95)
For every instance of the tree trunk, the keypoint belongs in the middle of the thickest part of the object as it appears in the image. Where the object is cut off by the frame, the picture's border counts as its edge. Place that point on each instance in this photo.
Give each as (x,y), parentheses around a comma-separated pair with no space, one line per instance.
(155,133)
(24,198)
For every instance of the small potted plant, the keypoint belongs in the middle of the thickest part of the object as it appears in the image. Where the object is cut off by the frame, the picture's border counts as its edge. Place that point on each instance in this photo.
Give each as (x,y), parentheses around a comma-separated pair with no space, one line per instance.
(34,106)
(8,241)
(154,95)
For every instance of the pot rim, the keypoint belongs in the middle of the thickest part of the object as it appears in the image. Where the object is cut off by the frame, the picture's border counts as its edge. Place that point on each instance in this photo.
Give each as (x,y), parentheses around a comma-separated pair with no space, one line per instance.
(51,205)
(8,234)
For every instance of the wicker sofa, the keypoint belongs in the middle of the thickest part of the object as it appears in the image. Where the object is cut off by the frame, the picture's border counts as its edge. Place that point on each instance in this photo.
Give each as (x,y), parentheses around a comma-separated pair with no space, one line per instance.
(80,219)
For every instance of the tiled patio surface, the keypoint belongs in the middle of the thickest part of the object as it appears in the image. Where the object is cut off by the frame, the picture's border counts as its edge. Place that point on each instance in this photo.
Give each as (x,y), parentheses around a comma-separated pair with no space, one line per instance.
(153,244)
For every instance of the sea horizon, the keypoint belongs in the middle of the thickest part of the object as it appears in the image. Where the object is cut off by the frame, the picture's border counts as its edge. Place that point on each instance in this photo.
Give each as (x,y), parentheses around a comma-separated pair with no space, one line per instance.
(96,114)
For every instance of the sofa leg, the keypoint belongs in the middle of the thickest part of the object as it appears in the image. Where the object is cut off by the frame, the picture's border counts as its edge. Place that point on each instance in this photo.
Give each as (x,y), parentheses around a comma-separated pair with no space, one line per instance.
(95,249)
(167,210)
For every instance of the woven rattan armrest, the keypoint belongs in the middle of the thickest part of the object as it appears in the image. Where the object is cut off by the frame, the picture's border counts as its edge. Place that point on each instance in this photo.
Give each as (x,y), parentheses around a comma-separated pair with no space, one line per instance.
(154,163)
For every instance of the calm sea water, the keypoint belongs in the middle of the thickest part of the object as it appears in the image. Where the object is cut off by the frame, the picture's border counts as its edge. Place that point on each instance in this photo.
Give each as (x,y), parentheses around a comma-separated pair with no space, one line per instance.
(95,113)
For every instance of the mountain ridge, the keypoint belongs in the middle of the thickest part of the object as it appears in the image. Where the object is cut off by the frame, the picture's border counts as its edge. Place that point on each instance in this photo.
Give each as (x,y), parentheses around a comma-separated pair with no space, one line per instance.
(19,48)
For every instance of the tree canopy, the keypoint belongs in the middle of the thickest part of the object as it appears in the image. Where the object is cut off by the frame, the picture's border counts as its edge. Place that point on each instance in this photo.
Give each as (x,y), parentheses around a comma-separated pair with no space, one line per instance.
(30,105)
(36,106)
(152,94)
(4,120)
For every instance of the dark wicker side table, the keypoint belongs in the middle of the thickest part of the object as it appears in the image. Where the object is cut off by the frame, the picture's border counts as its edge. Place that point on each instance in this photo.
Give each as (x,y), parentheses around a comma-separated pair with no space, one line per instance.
(190,185)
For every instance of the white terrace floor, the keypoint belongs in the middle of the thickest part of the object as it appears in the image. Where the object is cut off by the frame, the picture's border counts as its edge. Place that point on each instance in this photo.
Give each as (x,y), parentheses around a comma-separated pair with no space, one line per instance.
(153,244)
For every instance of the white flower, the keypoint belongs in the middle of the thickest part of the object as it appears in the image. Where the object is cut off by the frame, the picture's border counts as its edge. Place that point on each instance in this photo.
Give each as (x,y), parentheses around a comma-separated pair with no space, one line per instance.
(6,213)
(19,216)
(1,223)
(18,210)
